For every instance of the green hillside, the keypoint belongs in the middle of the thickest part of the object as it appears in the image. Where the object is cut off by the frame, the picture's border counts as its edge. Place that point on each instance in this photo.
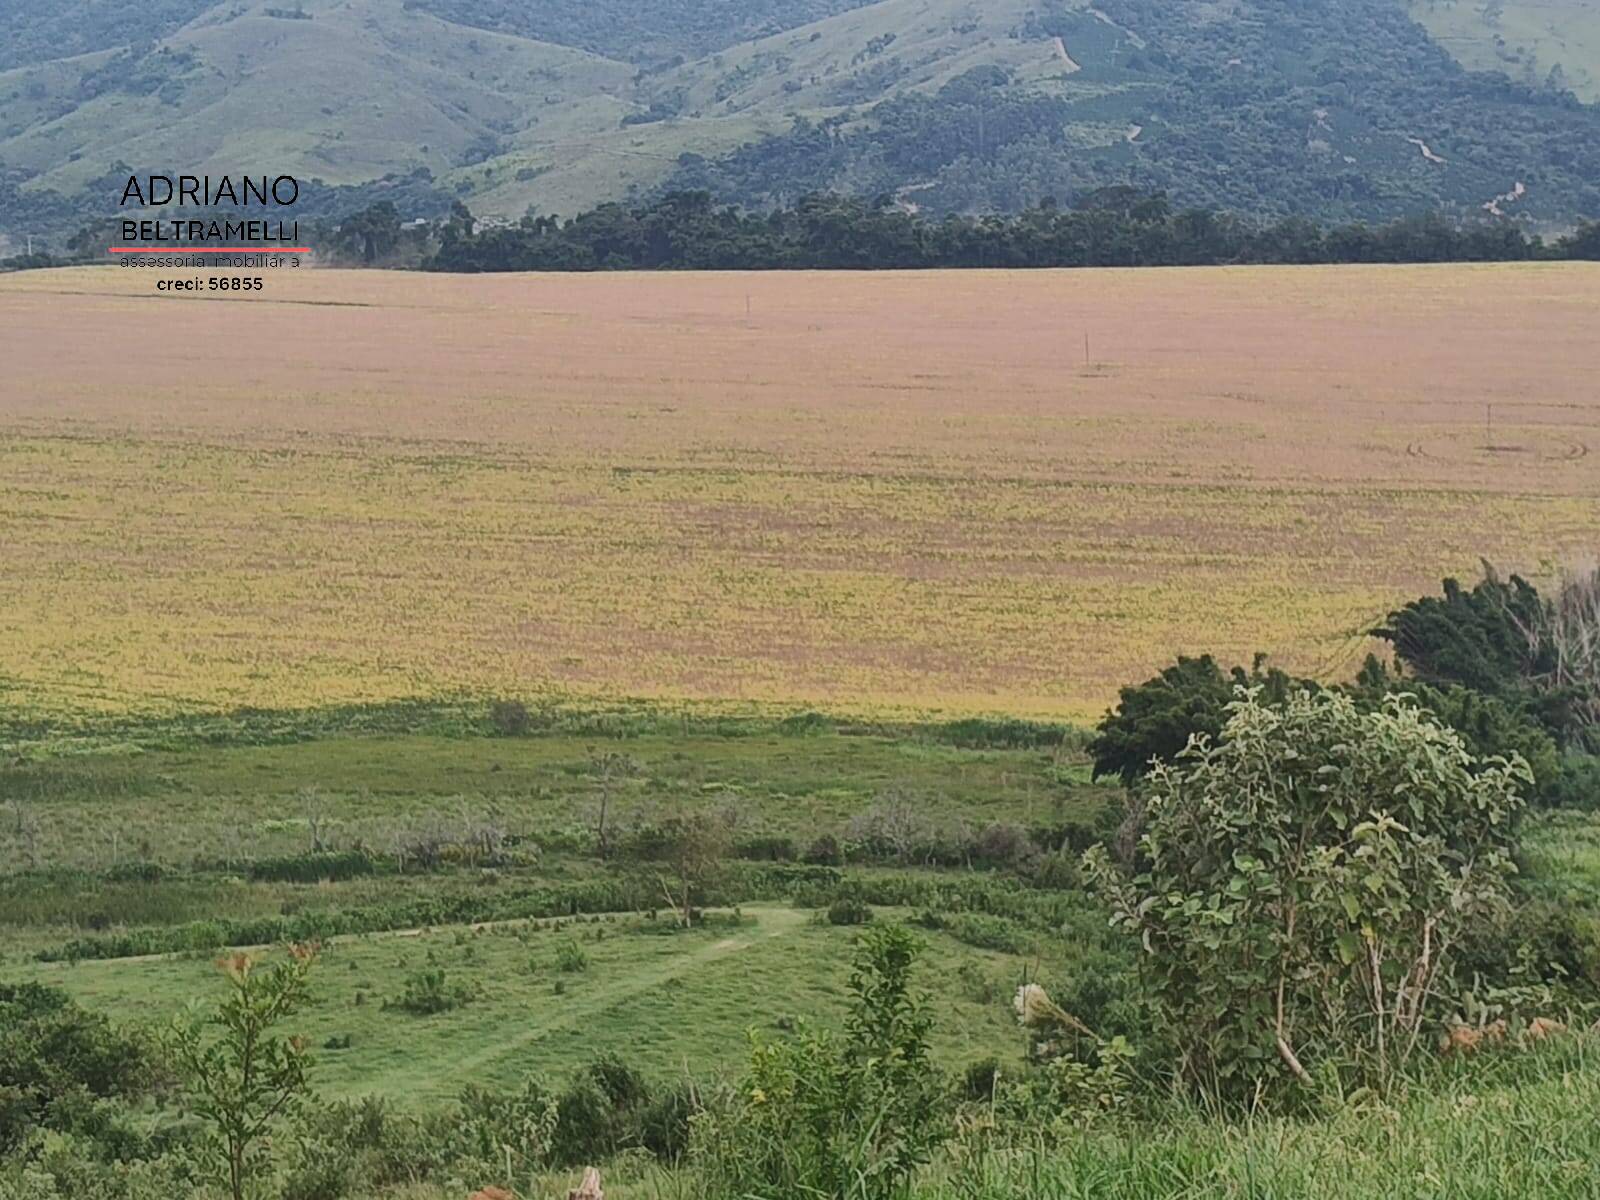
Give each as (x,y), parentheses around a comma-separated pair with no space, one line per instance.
(1346,109)
(1534,41)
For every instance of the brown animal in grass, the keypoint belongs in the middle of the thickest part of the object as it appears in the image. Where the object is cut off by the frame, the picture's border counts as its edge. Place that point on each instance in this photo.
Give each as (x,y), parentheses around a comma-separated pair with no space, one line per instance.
(1543,1027)
(1465,1039)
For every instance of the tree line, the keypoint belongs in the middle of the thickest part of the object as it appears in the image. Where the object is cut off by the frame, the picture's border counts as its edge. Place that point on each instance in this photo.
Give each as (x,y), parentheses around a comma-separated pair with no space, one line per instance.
(1115,227)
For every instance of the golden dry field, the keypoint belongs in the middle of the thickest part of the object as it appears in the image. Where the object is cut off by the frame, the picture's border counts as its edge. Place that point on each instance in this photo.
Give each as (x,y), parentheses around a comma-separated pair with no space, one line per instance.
(861,492)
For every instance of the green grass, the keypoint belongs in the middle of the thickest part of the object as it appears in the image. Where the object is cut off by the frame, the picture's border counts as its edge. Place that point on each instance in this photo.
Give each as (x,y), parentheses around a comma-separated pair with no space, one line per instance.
(1511,1125)
(668,1003)
(229,803)
(675,1004)
(1519,1126)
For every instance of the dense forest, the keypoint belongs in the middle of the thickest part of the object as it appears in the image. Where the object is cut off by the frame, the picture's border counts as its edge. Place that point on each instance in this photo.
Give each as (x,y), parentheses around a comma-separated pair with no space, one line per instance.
(1117,227)
(35,32)
(1335,111)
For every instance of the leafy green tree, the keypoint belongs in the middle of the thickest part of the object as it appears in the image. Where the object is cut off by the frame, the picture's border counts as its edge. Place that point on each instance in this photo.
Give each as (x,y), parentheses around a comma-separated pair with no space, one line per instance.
(1504,640)
(243,1076)
(1155,720)
(1478,638)
(695,845)
(1488,725)
(1584,243)
(371,234)
(1310,876)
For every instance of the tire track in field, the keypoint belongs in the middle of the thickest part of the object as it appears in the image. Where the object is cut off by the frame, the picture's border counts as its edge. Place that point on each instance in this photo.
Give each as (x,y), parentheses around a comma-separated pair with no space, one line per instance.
(575,1011)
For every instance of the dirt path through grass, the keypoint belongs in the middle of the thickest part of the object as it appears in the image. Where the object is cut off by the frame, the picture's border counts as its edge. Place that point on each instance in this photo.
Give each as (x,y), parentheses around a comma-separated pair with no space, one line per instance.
(550,1020)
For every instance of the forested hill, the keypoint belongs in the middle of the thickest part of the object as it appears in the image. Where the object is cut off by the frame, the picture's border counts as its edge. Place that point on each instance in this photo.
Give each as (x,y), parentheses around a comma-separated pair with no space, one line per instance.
(1334,110)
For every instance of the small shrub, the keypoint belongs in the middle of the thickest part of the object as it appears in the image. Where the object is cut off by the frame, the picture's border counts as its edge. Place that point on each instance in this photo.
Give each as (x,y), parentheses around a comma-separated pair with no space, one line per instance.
(1576,784)
(507,1134)
(848,910)
(430,992)
(586,1128)
(825,852)
(822,1117)
(979,1080)
(767,849)
(570,957)
(510,718)
(1056,872)
(1002,844)
(314,867)
(136,872)
(664,1124)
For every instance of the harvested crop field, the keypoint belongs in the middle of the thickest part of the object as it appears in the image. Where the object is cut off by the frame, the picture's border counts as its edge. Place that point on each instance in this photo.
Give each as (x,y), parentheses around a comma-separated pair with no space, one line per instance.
(862,492)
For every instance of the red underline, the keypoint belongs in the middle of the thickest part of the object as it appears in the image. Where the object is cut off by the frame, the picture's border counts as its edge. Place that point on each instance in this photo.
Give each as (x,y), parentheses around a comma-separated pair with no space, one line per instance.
(211,250)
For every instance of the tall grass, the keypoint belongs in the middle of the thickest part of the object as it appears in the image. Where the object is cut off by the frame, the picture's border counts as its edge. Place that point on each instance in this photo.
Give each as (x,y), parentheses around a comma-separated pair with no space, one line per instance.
(1531,1133)
(1512,1126)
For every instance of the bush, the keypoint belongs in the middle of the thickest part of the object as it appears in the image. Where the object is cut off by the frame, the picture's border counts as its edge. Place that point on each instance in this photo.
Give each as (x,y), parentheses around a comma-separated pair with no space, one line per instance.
(1055,872)
(1487,724)
(136,872)
(570,957)
(825,852)
(978,1082)
(600,1114)
(1477,639)
(506,1135)
(983,930)
(510,718)
(314,868)
(1576,784)
(770,848)
(665,1123)
(1155,719)
(1502,639)
(848,910)
(51,1051)
(430,992)
(1311,879)
(1002,844)
(821,1117)
(1000,733)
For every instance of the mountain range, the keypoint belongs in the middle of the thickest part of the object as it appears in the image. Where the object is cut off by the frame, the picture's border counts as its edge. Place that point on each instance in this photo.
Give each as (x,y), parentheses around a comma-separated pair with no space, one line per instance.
(1333,110)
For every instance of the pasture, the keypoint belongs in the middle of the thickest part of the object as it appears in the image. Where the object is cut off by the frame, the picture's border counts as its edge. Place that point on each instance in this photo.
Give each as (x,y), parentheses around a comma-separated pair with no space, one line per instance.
(668,1003)
(1011,492)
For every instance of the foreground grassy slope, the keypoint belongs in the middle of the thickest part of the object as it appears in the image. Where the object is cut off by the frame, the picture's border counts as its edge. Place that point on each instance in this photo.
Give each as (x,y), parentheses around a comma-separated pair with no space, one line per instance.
(550,996)
(129,843)
(1519,1127)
